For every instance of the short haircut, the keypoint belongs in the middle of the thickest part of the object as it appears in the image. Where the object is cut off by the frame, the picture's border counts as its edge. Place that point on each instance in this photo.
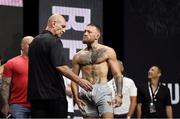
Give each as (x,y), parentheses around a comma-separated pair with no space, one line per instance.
(95,25)
(159,68)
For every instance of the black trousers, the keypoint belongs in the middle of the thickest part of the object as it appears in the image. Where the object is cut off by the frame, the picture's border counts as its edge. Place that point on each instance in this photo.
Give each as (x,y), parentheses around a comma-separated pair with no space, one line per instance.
(49,109)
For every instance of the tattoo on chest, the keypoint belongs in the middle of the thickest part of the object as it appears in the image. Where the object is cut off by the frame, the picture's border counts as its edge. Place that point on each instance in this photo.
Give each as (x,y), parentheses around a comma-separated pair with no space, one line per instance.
(97,54)
(93,56)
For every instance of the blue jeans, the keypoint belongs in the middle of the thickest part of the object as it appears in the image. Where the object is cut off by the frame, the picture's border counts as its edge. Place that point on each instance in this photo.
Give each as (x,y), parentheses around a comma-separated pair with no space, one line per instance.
(19,111)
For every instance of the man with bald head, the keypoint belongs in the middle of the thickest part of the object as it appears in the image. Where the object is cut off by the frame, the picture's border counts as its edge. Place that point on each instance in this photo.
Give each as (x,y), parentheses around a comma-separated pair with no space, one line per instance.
(14,83)
(47,64)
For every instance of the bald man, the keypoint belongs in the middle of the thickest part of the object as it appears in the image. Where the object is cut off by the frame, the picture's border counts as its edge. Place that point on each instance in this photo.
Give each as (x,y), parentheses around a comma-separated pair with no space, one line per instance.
(47,64)
(14,83)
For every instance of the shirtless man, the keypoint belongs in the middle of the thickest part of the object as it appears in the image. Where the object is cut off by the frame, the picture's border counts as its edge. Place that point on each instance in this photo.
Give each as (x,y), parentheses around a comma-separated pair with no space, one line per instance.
(94,62)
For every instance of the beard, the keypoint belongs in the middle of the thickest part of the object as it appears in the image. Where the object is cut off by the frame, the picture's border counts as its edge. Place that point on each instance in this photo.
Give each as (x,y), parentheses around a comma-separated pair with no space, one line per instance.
(87,41)
(84,42)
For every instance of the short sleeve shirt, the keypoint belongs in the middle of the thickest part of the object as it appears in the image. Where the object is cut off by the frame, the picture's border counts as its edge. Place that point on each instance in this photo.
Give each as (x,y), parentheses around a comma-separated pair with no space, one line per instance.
(45,54)
(163,99)
(17,69)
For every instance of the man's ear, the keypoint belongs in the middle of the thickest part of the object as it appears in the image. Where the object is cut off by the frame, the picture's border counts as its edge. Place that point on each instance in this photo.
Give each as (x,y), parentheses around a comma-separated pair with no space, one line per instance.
(97,36)
(52,24)
(159,74)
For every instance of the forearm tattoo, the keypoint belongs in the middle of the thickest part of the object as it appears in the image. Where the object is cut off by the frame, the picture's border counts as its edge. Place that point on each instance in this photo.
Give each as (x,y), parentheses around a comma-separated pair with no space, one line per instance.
(119,84)
(5,90)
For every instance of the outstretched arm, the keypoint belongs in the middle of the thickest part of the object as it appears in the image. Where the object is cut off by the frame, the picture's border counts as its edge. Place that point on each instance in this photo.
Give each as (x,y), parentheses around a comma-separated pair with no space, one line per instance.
(66,71)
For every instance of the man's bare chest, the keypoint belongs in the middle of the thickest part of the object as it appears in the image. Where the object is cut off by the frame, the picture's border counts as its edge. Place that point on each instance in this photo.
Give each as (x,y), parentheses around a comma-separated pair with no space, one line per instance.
(93,57)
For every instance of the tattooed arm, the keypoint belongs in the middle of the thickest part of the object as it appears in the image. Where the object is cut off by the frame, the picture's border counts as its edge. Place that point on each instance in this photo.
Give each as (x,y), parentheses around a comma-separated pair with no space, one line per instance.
(113,63)
(119,84)
(5,89)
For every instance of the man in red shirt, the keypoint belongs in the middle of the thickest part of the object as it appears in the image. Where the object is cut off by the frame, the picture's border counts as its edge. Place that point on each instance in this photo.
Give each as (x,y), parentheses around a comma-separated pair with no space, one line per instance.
(15,82)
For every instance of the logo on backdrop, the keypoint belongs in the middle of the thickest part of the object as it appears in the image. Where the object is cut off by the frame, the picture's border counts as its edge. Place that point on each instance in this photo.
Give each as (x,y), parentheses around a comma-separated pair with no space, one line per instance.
(174,90)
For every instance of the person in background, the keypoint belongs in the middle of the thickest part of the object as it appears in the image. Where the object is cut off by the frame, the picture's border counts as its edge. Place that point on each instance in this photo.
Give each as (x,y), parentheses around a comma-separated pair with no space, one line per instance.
(15,82)
(154,99)
(129,92)
(47,65)
(69,97)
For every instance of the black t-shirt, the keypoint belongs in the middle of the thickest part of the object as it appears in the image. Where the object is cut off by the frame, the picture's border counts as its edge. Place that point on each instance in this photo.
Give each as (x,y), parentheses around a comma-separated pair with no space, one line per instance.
(45,54)
(163,99)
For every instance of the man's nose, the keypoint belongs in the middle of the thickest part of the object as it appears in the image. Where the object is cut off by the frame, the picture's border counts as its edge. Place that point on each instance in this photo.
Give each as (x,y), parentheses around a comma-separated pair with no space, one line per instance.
(64,30)
(85,33)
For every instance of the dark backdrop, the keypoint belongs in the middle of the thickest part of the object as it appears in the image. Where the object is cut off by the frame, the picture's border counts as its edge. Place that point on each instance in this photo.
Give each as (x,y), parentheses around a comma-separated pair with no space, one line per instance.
(148,34)
(113,26)
(11,31)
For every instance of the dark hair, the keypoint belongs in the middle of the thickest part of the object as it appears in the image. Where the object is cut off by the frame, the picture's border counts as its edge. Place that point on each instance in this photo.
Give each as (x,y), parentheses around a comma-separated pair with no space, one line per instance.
(158,67)
(95,25)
